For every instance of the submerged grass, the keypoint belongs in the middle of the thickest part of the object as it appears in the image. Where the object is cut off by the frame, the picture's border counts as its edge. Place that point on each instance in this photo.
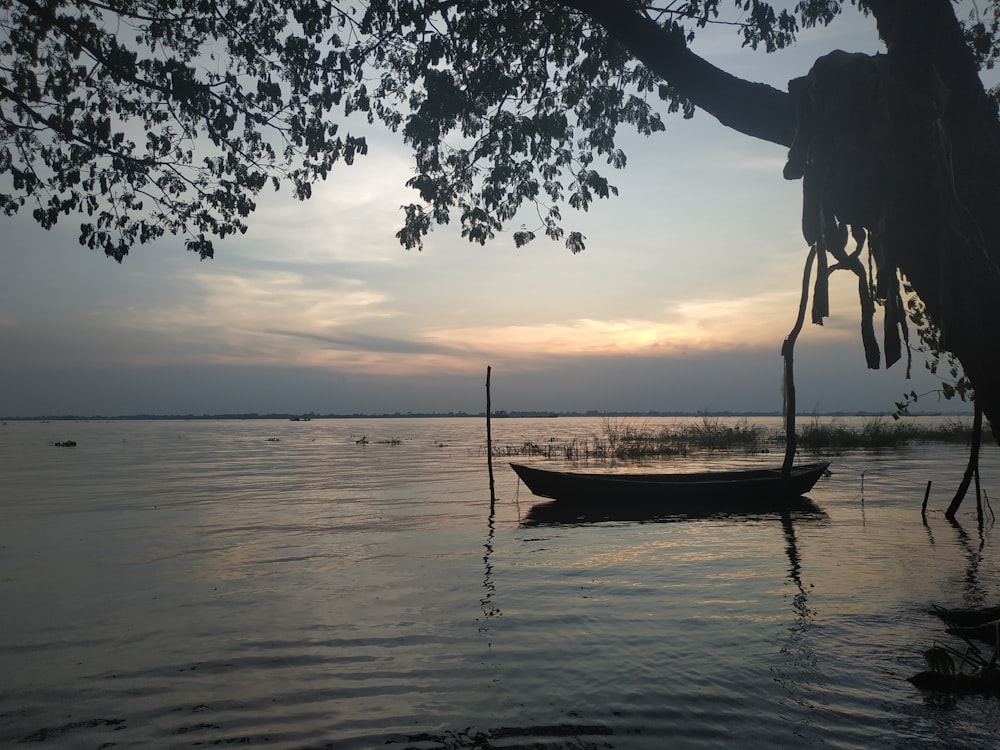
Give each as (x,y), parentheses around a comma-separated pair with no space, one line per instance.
(624,439)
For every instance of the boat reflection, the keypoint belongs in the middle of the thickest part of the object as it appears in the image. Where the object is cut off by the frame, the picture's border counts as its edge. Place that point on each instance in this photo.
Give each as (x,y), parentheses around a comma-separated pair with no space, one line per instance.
(558,512)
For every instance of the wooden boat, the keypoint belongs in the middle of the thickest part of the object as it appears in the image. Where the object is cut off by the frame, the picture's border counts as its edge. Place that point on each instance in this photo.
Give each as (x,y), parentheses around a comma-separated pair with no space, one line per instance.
(675,492)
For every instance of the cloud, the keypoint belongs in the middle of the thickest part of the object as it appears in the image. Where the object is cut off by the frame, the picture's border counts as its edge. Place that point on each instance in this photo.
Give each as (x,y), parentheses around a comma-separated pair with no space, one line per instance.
(352,217)
(689,285)
(758,321)
(829,377)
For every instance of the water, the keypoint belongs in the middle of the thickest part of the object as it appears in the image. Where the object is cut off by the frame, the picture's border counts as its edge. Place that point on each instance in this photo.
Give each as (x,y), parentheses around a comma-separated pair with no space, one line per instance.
(277,584)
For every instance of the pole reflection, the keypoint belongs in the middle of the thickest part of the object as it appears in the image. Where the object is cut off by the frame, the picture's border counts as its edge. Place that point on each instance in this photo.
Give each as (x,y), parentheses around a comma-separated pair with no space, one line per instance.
(486,602)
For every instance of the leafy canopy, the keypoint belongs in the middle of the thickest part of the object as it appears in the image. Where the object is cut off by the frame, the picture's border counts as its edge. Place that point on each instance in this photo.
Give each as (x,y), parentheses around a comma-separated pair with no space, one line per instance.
(153,116)
(145,117)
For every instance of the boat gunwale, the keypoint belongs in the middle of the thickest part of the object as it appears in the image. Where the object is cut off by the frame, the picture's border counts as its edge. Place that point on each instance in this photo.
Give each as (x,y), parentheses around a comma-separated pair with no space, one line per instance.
(700,477)
(730,489)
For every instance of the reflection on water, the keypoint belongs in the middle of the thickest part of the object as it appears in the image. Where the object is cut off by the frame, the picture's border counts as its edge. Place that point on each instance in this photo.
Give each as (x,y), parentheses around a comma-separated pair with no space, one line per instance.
(570,512)
(974,592)
(487,602)
(180,584)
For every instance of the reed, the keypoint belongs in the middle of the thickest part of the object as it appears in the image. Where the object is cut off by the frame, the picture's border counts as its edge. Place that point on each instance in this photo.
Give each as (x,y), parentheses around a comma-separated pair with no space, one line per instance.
(877,433)
(712,434)
(624,439)
(874,433)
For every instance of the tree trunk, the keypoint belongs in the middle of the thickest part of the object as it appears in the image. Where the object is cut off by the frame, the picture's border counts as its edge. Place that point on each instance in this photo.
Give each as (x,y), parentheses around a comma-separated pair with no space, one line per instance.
(944,206)
(953,250)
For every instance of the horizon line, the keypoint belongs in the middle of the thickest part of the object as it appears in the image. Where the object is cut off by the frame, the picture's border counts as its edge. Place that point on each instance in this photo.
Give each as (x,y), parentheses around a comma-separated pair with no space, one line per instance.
(496,414)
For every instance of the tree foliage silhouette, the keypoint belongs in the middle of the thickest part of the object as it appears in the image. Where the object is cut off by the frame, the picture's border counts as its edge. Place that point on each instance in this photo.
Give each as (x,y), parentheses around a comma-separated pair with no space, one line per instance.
(143,117)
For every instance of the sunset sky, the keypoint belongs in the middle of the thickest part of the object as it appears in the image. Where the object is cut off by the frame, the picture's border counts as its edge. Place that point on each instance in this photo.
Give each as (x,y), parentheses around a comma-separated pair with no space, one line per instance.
(688,286)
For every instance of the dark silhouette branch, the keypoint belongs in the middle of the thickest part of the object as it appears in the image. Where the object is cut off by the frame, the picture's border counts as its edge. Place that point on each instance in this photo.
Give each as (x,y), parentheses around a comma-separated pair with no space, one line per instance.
(971,469)
(754,109)
(787,353)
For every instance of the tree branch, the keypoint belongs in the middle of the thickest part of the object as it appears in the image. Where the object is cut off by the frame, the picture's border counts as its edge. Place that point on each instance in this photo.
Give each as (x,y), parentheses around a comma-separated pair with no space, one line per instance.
(754,109)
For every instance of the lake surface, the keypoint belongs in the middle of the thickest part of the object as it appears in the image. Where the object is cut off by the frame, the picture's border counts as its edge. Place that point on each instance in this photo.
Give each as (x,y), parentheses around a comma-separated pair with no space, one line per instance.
(278,584)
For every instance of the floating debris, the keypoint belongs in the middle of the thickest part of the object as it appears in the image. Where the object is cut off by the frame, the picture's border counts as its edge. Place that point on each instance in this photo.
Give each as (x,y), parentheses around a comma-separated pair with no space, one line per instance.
(968,672)
(967,617)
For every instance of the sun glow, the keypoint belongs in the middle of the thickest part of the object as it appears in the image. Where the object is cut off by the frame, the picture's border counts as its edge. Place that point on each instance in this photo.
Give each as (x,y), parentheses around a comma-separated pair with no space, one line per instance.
(709,325)
(288,318)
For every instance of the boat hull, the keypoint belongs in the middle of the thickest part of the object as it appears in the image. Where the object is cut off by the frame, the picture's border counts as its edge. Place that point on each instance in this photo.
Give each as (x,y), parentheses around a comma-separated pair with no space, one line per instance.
(679,493)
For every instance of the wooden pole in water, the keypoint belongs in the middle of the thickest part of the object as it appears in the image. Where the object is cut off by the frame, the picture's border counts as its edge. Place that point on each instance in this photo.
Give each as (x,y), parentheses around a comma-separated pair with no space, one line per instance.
(489,439)
(927,494)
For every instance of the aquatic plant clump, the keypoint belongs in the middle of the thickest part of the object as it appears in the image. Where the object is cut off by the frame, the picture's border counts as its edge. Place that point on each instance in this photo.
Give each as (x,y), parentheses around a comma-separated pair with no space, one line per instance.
(623,439)
(879,434)
(872,434)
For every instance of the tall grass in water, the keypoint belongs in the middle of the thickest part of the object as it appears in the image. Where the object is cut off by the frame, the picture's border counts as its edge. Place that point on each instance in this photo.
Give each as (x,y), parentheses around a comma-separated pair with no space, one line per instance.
(877,433)
(953,431)
(712,434)
(624,439)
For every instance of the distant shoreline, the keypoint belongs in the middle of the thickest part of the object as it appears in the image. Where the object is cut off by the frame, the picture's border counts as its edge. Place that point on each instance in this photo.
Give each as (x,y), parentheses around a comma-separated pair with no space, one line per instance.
(461,414)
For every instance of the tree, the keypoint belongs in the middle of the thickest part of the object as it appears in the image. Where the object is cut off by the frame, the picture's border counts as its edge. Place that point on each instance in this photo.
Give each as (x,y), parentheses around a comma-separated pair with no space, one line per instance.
(149,117)
(954,384)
